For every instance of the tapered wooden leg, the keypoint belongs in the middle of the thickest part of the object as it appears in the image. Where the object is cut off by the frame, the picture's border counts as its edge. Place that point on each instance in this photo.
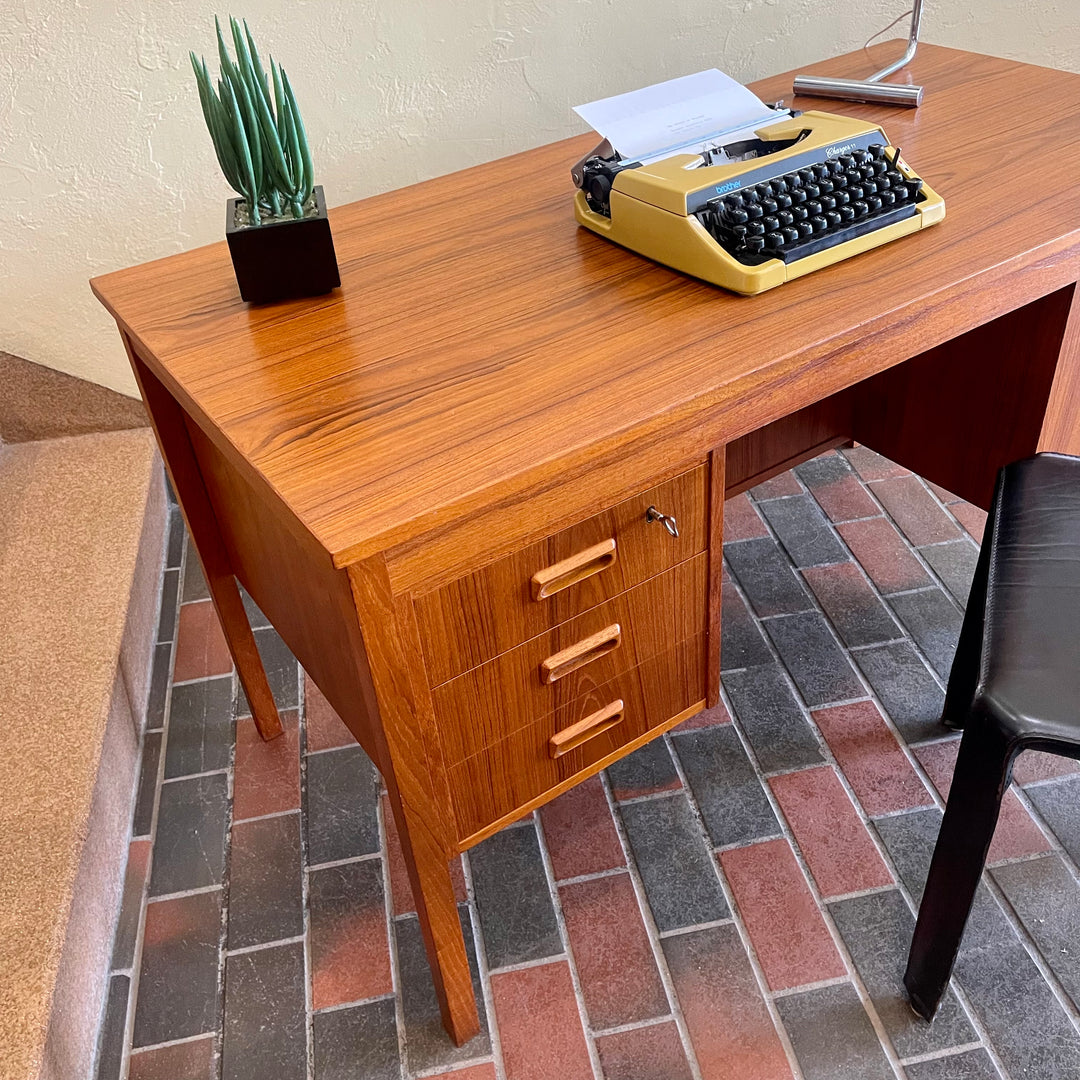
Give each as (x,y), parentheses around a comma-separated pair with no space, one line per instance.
(175,444)
(436,907)
(410,759)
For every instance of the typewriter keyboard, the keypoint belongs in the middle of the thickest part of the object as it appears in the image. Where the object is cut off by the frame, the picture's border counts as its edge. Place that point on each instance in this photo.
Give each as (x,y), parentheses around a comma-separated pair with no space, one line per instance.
(817,207)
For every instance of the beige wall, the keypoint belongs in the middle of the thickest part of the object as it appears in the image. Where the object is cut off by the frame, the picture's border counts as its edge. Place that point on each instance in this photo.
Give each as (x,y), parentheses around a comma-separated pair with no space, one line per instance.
(104,161)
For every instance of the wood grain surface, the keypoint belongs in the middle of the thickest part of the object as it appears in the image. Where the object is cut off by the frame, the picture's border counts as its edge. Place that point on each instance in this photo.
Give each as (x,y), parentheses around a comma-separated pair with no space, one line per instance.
(509,692)
(482,614)
(474,362)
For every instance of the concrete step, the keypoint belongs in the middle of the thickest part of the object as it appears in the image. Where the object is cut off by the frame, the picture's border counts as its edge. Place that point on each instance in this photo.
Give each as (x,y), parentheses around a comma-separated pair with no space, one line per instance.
(82,526)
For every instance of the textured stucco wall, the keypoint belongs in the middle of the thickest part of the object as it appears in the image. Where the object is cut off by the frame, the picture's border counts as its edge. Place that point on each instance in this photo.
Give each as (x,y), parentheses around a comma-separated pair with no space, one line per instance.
(104,161)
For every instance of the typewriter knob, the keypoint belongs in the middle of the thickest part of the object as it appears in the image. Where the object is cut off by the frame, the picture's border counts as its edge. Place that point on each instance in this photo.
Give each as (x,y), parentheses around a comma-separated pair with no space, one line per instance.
(599,188)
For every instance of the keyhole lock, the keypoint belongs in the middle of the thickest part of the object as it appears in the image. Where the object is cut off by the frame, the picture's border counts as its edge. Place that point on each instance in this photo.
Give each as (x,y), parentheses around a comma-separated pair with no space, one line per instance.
(669,523)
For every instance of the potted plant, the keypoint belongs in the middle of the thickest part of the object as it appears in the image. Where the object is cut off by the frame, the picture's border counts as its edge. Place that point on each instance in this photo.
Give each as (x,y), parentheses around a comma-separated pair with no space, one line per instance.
(278,231)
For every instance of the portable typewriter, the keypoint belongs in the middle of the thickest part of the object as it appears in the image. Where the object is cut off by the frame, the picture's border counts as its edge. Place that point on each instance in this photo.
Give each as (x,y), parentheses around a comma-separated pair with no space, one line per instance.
(804,193)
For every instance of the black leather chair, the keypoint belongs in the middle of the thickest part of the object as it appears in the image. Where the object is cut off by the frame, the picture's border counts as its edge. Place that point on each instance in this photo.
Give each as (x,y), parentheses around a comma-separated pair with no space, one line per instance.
(1014,685)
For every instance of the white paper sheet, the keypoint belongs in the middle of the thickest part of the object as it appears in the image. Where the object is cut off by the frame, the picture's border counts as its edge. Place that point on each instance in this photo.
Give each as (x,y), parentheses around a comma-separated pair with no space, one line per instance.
(685,114)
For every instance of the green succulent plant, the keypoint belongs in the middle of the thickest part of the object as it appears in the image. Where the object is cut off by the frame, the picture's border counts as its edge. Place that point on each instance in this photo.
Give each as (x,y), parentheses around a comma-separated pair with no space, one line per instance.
(258,135)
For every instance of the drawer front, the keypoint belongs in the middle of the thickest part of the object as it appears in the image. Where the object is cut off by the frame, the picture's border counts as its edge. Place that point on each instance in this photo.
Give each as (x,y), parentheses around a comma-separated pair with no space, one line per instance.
(508,775)
(570,661)
(477,617)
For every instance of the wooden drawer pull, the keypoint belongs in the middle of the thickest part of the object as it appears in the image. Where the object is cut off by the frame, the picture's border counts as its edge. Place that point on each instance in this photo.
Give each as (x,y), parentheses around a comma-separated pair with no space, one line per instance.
(596,724)
(562,575)
(581,653)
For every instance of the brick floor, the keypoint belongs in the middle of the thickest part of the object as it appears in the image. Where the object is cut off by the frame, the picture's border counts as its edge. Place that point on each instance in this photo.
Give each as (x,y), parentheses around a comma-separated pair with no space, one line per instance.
(734,901)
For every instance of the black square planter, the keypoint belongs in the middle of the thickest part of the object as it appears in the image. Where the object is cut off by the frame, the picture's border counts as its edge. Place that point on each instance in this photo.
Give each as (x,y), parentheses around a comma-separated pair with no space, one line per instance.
(283,260)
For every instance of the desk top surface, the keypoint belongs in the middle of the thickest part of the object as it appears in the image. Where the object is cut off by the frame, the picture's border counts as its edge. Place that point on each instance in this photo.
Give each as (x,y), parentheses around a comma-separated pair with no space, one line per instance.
(482,342)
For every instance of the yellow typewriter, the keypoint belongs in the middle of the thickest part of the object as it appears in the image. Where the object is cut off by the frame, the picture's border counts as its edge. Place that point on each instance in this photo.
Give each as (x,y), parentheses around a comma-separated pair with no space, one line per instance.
(803,193)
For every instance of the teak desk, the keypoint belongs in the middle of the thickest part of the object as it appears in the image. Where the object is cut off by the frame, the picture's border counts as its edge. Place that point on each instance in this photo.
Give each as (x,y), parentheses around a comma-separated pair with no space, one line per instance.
(435,480)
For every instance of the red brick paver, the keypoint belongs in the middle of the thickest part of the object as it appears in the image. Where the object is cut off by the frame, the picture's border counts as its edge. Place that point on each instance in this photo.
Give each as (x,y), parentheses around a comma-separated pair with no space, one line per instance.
(539,1024)
(881,551)
(267,776)
(325,729)
(193,1060)
(741,520)
(785,926)
(201,649)
(833,839)
(730,1028)
(619,978)
(879,772)
(914,509)
(580,832)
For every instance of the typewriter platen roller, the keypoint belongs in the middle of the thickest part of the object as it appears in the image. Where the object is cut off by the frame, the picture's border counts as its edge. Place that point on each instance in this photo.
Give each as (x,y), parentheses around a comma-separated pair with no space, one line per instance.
(807,192)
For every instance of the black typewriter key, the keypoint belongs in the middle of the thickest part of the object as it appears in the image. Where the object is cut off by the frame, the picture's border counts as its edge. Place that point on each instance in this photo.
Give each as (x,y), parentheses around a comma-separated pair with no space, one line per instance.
(880,166)
(755,228)
(860,208)
(831,219)
(799,196)
(736,216)
(842,198)
(914,185)
(877,151)
(784,201)
(836,167)
(874,202)
(846,214)
(749,196)
(790,234)
(769,205)
(763,191)
(821,169)
(853,176)
(813,207)
(901,192)
(828,202)
(800,213)
(806,176)
(805,229)
(785,217)
(846,160)
(754,211)
(812,191)
(856,191)
(794,181)
(774,241)
(888,199)
(869,187)
(779,185)
(827,186)
(770,223)
(819,222)
(755,244)
(895,177)
(739,233)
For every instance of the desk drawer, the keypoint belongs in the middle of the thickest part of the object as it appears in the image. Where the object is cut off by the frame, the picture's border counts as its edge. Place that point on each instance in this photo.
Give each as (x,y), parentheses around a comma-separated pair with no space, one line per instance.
(568,662)
(505,777)
(479,616)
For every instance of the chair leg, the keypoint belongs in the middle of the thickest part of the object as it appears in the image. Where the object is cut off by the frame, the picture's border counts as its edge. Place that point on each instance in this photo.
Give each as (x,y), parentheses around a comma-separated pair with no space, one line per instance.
(983,772)
(964,676)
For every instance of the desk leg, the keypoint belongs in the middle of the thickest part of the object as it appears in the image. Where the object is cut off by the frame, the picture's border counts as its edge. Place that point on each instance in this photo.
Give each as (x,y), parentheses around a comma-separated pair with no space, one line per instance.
(410,760)
(176,449)
(1061,422)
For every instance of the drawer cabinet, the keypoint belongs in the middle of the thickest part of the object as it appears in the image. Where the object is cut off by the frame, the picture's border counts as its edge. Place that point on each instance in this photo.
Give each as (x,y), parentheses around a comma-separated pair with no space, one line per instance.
(493,785)
(568,662)
(468,622)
